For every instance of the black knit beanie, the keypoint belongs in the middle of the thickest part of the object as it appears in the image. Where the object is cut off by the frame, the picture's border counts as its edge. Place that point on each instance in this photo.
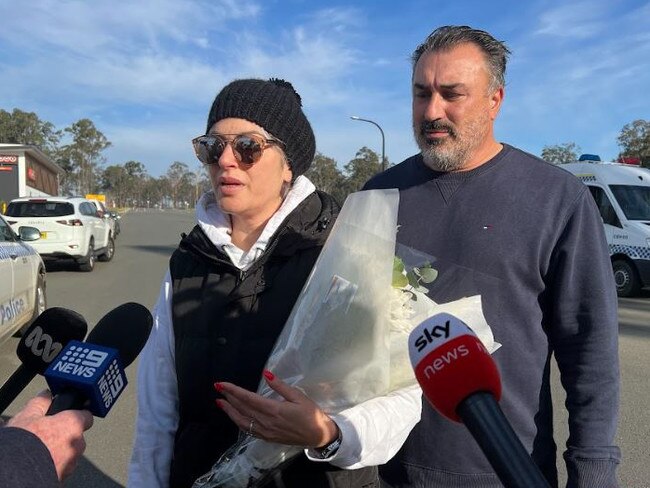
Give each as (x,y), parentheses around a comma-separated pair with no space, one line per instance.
(275,106)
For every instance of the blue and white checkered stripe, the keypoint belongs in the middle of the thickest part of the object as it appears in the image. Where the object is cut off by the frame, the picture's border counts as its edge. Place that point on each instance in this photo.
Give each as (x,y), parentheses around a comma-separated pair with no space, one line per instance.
(635,252)
(587,178)
(9,249)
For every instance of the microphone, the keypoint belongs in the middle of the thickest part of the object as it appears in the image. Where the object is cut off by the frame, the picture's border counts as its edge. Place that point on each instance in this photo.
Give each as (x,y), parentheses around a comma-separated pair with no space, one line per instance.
(39,345)
(461,381)
(91,374)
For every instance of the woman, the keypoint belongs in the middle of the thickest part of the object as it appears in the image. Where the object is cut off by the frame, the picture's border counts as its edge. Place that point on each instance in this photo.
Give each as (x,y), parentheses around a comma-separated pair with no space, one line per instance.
(231,285)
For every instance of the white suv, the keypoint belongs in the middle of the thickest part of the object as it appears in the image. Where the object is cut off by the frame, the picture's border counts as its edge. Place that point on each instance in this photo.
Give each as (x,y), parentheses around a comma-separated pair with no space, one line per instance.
(71,228)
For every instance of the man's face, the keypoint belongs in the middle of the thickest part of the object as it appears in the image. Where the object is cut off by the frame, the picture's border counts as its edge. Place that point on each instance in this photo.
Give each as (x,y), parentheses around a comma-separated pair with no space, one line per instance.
(453,108)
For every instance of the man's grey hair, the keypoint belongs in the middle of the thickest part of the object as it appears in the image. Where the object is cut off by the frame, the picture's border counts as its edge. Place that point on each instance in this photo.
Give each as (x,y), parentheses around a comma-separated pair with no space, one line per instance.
(449,36)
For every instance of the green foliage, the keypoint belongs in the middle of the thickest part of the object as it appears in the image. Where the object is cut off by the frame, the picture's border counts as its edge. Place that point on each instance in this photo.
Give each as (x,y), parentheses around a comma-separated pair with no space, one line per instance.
(567,152)
(410,280)
(634,141)
(84,156)
(27,128)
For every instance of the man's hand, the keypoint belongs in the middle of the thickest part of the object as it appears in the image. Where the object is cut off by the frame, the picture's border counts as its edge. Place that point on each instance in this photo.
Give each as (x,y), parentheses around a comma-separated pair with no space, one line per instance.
(62,433)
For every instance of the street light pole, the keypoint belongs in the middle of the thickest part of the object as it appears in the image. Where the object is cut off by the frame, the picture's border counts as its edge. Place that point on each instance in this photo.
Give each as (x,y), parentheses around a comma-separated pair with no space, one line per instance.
(383,139)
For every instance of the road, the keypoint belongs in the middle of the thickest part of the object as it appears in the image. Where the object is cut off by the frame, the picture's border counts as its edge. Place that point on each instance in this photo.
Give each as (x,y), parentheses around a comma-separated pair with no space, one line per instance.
(142,251)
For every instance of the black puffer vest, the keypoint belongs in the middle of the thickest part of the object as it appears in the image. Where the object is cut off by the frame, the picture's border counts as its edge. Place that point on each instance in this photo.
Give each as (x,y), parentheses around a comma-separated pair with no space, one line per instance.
(225,325)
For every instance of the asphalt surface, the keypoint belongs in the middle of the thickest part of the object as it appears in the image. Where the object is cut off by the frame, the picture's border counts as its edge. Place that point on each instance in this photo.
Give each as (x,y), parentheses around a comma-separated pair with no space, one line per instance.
(142,252)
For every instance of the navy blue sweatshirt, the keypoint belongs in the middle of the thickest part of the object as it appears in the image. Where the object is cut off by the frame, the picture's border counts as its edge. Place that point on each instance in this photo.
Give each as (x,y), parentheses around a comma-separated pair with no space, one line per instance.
(526,236)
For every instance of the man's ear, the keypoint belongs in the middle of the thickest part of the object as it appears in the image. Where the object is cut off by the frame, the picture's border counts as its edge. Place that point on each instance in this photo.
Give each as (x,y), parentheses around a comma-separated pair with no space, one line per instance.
(495,102)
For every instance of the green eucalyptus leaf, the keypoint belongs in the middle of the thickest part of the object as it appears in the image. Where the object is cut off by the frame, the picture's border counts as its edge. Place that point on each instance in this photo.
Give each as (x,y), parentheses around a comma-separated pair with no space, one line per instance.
(399,280)
(413,279)
(428,274)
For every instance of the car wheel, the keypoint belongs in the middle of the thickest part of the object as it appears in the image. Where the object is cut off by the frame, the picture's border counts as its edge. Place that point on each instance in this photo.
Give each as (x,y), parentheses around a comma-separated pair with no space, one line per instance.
(88,263)
(626,279)
(40,304)
(110,251)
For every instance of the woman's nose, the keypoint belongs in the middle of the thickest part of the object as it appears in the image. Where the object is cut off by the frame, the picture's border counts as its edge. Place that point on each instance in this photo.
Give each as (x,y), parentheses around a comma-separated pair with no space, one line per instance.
(227,158)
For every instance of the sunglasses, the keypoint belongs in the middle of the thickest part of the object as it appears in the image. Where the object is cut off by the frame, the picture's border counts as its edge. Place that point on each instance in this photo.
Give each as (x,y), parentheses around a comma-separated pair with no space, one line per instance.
(248,148)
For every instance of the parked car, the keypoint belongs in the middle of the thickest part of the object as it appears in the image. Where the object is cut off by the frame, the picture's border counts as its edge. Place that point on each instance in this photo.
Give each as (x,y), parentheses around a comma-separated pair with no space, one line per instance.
(111,217)
(22,280)
(70,227)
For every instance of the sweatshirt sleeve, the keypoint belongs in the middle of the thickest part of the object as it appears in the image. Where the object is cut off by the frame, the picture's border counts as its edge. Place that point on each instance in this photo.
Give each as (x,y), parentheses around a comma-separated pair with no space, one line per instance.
(373,431)
(584,337)
(25,461)
(157,416)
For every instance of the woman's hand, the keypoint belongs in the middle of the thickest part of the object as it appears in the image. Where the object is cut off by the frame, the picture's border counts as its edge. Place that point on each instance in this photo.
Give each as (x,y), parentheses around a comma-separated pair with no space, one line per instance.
(295,421)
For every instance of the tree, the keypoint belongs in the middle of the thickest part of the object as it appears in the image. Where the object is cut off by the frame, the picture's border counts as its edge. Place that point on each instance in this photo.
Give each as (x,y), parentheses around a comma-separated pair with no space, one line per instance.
(567,152)
(20,127)
(84,155)
(364,166)
(325,174)
(181,183)
(115,182)
(634,141)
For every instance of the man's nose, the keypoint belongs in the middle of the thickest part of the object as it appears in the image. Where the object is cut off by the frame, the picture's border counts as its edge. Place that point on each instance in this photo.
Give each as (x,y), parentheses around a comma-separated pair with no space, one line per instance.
(434,109)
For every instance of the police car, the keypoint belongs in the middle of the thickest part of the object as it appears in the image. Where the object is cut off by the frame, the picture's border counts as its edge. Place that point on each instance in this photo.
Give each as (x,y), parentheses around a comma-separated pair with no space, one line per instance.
(22,280)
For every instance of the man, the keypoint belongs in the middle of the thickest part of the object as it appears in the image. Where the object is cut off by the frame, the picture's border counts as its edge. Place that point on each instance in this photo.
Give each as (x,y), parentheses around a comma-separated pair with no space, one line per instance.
(527,237)
(38,450)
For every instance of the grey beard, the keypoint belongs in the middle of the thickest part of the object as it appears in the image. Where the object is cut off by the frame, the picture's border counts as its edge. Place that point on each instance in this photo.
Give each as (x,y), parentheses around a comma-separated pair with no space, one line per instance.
(442,161)
(439,159)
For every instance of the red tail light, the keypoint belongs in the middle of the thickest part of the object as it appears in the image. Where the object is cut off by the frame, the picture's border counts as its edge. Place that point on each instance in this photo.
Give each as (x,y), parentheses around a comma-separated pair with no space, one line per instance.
(72,222)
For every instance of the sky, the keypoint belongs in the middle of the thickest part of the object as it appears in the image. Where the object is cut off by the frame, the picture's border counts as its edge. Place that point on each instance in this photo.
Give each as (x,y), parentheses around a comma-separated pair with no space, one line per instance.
(146,71)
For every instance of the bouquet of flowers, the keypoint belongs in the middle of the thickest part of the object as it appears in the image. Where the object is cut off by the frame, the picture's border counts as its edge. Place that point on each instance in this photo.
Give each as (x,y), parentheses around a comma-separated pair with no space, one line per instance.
(345,340)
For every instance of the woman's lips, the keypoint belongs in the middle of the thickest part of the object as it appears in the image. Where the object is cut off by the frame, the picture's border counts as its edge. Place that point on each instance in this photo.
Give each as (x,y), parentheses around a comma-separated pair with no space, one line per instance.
(229,185)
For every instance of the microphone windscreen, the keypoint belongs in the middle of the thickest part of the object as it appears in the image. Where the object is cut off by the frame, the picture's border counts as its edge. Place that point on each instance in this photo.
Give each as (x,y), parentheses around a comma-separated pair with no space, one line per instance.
(125,328)
(451,363)
(47,335)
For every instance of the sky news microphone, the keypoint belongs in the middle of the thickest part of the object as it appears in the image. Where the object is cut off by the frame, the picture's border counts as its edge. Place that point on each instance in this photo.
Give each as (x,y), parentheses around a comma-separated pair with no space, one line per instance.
(39,345)
(461,381)
(90,374)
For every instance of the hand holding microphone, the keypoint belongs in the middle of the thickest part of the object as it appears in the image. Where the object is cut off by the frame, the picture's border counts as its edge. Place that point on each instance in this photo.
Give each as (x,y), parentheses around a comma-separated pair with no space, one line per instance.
(461,381)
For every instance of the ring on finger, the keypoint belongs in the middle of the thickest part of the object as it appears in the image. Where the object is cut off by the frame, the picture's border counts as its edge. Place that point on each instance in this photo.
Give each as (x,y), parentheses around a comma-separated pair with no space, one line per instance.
(251,425)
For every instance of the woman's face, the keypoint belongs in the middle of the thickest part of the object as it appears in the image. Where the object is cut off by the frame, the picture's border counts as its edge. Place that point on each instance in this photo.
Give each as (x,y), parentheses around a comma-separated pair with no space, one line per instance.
(248,191)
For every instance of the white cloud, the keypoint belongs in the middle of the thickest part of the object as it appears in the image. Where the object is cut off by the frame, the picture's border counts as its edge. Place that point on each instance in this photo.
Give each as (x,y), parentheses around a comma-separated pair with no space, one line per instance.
(572,20)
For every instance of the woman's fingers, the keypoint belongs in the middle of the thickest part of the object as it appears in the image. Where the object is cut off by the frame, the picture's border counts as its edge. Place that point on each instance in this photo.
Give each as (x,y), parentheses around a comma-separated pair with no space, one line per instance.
(296,420)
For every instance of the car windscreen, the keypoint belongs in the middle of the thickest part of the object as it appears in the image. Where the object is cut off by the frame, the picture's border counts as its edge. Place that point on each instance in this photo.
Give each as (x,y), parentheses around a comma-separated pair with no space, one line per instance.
(39,209)
(634,200)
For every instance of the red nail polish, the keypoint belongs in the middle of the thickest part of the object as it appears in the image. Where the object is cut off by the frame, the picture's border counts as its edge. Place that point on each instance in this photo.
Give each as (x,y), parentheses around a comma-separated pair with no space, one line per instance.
(219,403)
(268,375)
(218,386)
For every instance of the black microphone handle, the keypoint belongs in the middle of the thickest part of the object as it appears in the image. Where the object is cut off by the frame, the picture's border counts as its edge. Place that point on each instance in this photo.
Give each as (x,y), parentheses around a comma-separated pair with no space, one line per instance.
(68,399)
(16,383)
(490,428)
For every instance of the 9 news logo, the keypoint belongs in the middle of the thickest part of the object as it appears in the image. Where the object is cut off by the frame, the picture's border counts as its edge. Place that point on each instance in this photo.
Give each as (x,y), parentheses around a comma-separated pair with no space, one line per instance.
(93,369)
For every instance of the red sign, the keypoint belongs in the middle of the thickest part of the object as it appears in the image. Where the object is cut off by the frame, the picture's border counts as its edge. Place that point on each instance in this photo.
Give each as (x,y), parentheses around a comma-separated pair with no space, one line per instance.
(10,159)
(31,174)
(6,168)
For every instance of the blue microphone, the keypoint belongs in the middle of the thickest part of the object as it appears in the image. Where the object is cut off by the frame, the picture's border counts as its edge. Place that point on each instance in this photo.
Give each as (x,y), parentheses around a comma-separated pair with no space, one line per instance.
(94,372)
(90,375)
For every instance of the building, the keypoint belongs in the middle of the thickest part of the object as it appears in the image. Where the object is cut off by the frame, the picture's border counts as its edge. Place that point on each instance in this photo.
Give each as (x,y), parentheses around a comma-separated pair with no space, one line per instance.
(26,171)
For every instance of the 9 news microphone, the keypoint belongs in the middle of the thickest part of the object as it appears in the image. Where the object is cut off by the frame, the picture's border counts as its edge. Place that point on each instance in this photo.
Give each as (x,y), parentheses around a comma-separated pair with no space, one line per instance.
(39,345)
(90,374)
(460,380)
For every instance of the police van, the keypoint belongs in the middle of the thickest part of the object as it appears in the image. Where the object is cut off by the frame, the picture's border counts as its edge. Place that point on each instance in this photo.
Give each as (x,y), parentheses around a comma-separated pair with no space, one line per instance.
(22,280)
(622,193)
